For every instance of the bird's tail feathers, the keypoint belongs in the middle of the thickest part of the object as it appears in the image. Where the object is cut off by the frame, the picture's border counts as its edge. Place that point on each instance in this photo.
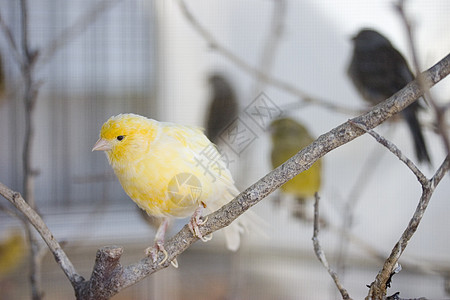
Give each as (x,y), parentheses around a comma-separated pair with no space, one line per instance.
(410,114)
(246,223)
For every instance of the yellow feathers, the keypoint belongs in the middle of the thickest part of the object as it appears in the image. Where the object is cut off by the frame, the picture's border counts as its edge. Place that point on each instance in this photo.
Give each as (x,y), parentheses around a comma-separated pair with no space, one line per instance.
(289,137)
(169,170)
(149,158)
(12,252)
(126,137)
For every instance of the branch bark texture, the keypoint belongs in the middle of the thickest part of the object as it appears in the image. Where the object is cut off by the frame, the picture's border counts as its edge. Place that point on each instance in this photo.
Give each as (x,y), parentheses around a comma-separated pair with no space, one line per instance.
(37,222)
(109,277)
(378,288)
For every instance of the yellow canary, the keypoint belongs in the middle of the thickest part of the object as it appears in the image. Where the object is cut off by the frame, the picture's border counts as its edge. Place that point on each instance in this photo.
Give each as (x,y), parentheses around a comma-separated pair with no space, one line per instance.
(12,252)
(288,138)
(170,171)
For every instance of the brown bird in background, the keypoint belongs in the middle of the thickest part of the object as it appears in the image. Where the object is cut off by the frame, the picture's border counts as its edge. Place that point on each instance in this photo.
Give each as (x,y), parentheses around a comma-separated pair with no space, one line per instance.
(378,71)
(223,107)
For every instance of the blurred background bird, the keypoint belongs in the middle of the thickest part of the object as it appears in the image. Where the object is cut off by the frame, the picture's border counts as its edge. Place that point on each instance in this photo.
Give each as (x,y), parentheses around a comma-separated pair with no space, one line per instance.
(288,138)
(378,71)
(170,171)
(2,79)
(12,252)
(223,106)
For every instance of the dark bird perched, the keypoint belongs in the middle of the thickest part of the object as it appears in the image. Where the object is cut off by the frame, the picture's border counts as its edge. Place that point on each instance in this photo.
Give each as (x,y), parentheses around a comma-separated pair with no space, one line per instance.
(223,107)
(378,71)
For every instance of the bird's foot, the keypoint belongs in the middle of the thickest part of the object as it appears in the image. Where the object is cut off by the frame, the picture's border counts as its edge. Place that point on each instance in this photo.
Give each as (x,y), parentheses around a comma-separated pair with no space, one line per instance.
(159,247)
(196,221)
(153,251)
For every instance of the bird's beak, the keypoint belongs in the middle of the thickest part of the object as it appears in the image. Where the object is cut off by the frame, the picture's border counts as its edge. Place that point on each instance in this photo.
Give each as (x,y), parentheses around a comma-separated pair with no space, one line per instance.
(102,144)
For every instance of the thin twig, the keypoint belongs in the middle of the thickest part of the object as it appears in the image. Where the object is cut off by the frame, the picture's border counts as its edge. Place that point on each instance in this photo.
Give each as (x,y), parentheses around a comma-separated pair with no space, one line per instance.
(321,254)
(77,28)
(413,264)
(30,95)
(60,257)
(12,213)
(12,42)
(26,59)
(271,44)
(439,110)
(379,286)
(396,151)
(443,169)
(242,64)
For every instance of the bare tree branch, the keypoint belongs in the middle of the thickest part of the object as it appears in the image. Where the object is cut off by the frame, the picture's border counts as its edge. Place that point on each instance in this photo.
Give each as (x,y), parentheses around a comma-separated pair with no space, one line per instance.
(227,53)
(12,42)
(31,90)
(300,162)
(107,267)
(396,296)
(412,264)
(12,213)
(321,254)
(27,59)
(439,110)
(379,286)
(120,277)
(396,151)
(77,28)
(60,256)
(272,41)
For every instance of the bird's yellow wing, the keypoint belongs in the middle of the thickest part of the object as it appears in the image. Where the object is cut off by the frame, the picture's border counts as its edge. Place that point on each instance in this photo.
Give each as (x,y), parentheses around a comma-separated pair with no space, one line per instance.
(181,170)
(204,161)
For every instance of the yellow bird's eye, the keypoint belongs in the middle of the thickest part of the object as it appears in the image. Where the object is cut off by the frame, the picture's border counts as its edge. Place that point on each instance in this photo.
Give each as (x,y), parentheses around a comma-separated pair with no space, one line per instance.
(120,137)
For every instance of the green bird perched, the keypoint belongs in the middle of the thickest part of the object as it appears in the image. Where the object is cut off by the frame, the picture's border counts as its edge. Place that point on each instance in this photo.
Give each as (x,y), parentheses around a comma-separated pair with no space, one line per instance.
(288,138)
(223,107)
